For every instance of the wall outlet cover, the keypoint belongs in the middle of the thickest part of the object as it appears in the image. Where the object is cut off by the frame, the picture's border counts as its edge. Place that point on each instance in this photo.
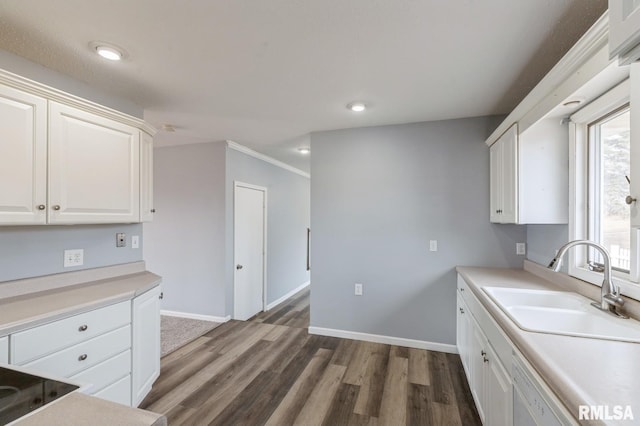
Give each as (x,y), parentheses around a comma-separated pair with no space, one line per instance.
(121,239)
(73,258)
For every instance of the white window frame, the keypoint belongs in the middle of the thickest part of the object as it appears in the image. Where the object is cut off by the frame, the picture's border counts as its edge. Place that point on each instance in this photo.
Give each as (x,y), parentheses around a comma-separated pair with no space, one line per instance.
(579,191)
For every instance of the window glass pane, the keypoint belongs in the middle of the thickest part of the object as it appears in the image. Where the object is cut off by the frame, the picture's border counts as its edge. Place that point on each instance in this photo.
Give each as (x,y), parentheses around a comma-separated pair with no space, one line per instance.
(611,223)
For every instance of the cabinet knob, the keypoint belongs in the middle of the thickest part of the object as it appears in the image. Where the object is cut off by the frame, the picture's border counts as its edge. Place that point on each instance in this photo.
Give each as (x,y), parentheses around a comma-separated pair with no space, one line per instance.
(461,311)
(238,267)
(83,327)
(483,353)
(153,210)
(56,207)
(161,295)
(82,357)
(41,207)
(629,200)
(486,359)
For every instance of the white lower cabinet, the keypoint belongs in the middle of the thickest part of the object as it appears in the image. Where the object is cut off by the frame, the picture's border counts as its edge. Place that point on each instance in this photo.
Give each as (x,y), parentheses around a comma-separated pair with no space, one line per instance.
(146,343)
(489,379)
(115,349)
(102,375)
(4,350)
(119,391)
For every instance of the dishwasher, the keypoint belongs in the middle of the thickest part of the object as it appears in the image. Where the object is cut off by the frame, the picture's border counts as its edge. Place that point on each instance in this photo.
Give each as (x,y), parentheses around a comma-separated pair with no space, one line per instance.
(530,406)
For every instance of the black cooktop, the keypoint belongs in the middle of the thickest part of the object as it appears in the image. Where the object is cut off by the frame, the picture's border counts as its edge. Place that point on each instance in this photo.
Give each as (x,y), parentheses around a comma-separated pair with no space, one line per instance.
(22,393)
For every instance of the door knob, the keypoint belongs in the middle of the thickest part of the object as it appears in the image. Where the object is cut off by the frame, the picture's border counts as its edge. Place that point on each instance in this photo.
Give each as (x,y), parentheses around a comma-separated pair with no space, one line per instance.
(238,267)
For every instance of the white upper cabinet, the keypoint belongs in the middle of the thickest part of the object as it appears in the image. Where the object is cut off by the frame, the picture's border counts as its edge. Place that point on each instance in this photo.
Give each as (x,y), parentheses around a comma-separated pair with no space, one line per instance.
(23,157)
(624,30)
(94,168)
(64,160)
(529,178)
(146,178)
(504,177)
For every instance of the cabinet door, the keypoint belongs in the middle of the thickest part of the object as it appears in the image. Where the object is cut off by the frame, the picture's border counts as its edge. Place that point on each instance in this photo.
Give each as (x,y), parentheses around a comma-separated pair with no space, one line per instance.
(498,387)
(146,343)
(94,169)
(4,350)
(477,356)
(495,186)
(23,158)
(462,333)
(146,177)
(624,30)
(509,177)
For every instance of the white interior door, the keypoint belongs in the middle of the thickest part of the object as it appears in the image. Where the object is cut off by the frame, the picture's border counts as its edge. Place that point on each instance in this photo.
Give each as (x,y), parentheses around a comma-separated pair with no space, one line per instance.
(249,250)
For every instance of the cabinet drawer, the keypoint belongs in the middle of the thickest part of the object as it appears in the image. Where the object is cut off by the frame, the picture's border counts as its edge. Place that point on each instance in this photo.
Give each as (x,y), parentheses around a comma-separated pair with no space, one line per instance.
(119,392)
(4,350)
(39,341)
(105,373)
(84,355)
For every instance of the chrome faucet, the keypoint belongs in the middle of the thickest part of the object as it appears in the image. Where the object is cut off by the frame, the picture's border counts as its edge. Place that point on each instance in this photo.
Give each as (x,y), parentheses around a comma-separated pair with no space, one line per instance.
(610,298)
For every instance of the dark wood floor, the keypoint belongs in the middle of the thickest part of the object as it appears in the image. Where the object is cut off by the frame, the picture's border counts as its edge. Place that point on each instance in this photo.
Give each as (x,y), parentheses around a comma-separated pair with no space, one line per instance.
(269,370)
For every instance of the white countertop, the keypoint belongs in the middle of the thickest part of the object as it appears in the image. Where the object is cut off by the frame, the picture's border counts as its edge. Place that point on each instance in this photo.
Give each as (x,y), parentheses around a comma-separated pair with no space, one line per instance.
(23,306)
(580,371)
(33,309)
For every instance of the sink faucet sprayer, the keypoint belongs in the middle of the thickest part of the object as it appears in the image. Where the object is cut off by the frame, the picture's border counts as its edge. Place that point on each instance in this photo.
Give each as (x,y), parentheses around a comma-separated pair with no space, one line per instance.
(610,298)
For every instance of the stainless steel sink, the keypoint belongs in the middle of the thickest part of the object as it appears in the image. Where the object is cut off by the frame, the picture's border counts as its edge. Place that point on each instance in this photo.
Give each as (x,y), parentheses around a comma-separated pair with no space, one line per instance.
(559,312)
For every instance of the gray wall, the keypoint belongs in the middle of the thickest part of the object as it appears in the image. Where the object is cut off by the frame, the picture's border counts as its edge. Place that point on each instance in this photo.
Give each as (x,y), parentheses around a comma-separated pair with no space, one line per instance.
(378,195)
(29,251)
(185,241)
(544,240)
(287,222)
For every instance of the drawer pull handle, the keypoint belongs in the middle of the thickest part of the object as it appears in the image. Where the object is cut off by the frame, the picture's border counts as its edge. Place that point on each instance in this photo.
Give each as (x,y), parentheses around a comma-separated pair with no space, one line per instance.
(82,357)
(83,327)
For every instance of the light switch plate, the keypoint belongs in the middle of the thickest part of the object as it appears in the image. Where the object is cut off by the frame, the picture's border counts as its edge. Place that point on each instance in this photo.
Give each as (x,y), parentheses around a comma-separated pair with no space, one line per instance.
(521,249)
(135,241)
(358,289)
(433,245)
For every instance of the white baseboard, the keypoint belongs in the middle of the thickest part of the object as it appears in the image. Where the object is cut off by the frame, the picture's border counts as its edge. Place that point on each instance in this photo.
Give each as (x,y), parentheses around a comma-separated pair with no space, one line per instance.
(288,295)
(195,316)
(388,340)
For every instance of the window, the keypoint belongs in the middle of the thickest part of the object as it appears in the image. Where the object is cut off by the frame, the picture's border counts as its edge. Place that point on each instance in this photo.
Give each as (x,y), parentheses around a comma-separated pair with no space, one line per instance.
(601,170)
(608,180)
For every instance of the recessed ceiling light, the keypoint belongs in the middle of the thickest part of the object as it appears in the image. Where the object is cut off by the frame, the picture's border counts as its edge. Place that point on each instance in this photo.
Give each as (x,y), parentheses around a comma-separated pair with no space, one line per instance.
(304,150)
(108,50)
(357,106)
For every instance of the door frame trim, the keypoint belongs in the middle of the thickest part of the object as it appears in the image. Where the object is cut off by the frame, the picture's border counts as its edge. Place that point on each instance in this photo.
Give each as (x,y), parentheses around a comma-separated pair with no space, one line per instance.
(236,185)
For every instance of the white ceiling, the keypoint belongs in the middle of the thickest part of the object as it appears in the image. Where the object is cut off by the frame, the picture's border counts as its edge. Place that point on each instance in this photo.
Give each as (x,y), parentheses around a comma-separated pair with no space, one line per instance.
(265,73)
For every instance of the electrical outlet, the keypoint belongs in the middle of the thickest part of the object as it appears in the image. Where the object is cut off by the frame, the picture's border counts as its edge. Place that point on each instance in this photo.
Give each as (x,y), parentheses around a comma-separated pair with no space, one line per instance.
(358,289)
(433,245)
(73,258)
(521,249)
(121,239)
(135,242)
